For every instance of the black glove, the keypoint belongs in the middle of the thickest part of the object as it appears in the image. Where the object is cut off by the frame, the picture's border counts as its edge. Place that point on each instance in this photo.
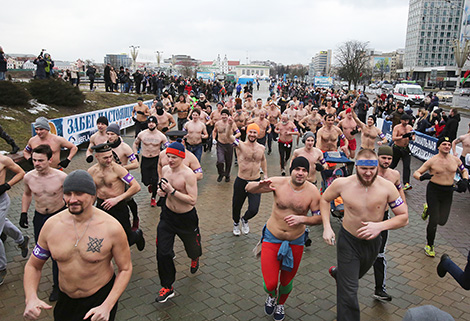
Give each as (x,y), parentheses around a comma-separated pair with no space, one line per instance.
(462,185)
(64,163)
(354,131)
(425,176)
(164,129)
(408,135)
(319,167)
(89,159)
(134,119)
(24,220)
(4,187)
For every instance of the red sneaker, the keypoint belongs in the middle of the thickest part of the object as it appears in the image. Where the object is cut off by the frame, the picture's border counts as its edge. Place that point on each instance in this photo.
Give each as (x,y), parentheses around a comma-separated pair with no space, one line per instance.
(194,265)
(153,202)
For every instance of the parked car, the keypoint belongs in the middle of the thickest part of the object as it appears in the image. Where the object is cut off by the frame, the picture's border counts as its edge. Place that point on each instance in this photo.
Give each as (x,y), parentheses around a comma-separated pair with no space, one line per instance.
(445,96)
(464,92)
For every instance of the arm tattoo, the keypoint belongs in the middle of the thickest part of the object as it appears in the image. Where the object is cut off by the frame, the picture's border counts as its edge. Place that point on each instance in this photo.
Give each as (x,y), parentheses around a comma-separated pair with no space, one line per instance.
(94,245)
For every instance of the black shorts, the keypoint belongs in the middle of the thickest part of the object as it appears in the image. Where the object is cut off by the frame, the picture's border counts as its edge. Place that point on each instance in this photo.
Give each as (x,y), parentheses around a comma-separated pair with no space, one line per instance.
(68,309)
(149,170)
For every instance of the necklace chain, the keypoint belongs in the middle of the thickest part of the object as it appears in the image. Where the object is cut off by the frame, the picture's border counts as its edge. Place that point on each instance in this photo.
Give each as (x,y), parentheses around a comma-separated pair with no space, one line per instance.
(292,187)
(76,232)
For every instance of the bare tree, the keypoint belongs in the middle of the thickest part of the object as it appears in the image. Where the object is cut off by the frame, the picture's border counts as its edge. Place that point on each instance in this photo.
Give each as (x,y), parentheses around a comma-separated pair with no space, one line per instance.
(352,60)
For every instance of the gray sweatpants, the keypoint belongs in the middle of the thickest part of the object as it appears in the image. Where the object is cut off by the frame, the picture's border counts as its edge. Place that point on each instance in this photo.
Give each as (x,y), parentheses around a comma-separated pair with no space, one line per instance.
(8,228)
(355,257)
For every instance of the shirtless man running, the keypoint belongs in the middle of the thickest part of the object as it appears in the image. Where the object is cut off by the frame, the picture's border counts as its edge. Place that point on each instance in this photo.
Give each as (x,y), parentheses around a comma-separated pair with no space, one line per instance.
(365,197)
(183,109)
(178,188)
(97,138)
(84,241)
(124,156)
(385,155)
(151,141)
(293,198)
(327,137)
(264,126)
(44,184)
(274,113)
(286,129)
(369,133)
(196,130)
(190,160)
(224,146)
(251,159)
(43,136)
(439,192)
(110,179)
(349,128)
(140,112)
(165,120)
(401,136)
(313,155)
(465,140)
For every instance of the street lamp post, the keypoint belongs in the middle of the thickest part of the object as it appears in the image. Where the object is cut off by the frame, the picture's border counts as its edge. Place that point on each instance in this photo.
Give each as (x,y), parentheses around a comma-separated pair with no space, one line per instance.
(158,58)
(461,54)
(134,54)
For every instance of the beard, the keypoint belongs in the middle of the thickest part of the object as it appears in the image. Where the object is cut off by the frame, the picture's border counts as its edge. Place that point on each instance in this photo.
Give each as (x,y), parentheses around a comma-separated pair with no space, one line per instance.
(367,183)
(384,166)
(76,212)
(152,129)
(251,139)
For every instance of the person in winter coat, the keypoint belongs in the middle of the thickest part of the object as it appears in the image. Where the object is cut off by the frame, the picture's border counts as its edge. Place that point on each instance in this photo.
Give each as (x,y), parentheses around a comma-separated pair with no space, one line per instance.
(452,125)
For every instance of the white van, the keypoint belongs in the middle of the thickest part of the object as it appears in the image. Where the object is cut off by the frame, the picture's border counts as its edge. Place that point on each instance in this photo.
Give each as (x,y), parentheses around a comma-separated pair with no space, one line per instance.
(409,94)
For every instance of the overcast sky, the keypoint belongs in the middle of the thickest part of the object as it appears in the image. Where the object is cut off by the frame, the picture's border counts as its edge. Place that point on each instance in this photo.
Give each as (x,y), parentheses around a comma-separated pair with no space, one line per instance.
(286,32)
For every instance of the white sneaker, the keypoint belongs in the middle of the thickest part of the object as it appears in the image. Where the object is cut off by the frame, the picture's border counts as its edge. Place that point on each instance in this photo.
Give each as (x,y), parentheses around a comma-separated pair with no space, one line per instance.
(236,229)
(245,227)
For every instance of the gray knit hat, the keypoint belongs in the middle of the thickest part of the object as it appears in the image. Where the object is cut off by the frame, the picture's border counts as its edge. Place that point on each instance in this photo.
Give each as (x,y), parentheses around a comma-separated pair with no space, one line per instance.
(307,135)
(79,181)
(43,123)
(114,128)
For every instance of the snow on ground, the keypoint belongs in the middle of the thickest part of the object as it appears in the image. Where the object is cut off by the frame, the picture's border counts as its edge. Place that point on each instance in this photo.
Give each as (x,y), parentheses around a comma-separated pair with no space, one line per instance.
(38,107)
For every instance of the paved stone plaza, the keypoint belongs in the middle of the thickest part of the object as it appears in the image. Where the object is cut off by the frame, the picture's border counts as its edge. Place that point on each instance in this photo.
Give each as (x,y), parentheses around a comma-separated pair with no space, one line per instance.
(228,285)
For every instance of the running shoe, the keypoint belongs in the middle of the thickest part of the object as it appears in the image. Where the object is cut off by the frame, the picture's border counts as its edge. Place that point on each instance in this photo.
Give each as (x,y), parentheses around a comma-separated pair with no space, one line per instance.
(333,270)
(382,296)
(269,305)
(407,187)
(194,265)
(140,242)
(135,224)
(153,202)
(429,251)
(164,294)
(245,227)
(236,229)
(425,214)
(441,270)
(279,314)
(24,246)
(220,178)
(3,273)
(283,172)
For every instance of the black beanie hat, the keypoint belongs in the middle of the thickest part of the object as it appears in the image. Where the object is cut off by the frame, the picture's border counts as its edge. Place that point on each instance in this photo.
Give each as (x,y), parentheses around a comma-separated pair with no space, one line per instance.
(299,162)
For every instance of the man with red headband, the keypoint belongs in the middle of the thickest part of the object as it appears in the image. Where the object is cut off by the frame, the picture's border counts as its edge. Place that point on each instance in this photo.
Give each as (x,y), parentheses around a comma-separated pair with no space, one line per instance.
(349,128)
(178,189)
(251,158)
(365,197)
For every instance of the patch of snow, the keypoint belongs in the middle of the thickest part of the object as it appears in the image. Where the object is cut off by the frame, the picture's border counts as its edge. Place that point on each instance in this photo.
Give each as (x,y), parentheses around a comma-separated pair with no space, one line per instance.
(38,107)
(87,101)
(7,117)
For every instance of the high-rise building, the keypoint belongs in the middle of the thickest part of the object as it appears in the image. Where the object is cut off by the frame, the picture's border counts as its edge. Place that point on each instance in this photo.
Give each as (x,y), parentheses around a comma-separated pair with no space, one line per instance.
(118,60)
(432,26)
(321,63)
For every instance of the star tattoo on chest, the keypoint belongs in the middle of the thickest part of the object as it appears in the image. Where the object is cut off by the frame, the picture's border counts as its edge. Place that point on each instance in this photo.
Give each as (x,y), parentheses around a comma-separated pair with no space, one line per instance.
(94,244)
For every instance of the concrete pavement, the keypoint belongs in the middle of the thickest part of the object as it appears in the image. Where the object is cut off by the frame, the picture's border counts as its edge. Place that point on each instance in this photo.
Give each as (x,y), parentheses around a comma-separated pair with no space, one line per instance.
(228,285)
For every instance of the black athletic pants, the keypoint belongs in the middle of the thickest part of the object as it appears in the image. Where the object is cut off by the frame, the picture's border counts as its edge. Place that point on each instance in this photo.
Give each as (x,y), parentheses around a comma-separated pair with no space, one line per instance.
(239,197)
(439,199)
(68,309)
(284,152)
(186,226)
(355,257)
(404,154)
(38,222)
(380,264)
(120,212)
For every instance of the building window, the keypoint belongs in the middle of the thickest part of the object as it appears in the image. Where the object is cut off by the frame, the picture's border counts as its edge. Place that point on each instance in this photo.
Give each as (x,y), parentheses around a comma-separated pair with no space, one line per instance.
(262,72)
